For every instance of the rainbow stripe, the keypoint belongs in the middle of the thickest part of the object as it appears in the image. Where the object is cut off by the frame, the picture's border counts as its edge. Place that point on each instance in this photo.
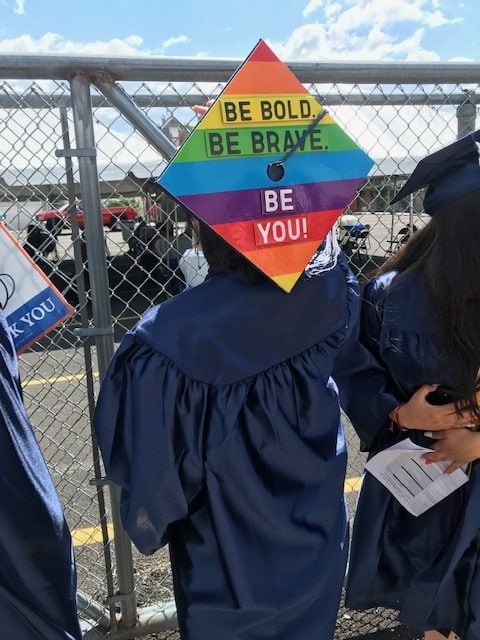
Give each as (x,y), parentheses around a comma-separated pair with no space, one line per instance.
(220,173)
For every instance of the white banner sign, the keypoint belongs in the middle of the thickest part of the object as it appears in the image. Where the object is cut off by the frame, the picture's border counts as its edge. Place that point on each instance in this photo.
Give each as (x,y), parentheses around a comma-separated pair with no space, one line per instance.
(30,302)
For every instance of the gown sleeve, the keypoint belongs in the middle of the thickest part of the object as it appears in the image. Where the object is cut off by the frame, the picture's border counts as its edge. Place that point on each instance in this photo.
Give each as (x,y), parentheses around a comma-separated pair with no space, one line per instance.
(37,568)
(148,424)
(366,393)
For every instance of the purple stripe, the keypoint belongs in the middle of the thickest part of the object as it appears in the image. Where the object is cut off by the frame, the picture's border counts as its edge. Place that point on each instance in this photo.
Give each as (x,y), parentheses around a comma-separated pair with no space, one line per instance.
(237,206)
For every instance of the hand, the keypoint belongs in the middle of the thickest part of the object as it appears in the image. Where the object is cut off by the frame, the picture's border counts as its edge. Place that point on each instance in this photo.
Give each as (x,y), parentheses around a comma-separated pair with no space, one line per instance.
(458,445)
(418,413)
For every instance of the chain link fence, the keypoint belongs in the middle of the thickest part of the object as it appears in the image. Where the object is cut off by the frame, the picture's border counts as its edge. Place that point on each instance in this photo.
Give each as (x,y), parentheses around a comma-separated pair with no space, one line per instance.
(80,154)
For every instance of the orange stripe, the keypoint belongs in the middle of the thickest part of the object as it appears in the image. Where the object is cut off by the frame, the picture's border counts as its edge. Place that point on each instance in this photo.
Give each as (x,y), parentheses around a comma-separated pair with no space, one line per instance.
(276,261)
(262,78)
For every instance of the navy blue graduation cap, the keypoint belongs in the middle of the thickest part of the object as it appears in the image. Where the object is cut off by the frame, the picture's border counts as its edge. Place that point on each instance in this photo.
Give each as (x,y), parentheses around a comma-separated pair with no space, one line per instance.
(449,173)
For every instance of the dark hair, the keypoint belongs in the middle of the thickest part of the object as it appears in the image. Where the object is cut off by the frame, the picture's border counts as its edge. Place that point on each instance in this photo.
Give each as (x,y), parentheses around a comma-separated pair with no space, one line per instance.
(447,255)
(221,256)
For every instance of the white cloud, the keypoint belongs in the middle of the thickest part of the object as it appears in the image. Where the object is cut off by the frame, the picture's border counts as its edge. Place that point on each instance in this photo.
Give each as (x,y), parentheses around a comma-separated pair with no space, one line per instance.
(383,14)
(461,59)
(365,30)
(175,40)
(332,9)
(19,7)
(55,43)
(312,6)
(132,45)
(313,42)
(436,19)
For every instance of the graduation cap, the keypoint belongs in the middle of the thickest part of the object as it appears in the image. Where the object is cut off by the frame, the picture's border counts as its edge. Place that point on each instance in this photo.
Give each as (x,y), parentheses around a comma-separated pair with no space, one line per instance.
(267,168)
(449,173)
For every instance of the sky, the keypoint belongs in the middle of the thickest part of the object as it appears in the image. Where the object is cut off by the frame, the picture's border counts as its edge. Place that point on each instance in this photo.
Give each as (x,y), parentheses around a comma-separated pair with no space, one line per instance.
(300,30)
(309,30)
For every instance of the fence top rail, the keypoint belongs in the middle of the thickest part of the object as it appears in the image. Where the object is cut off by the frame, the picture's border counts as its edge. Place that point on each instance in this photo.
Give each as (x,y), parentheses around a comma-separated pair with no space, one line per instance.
(177,69)
(173,100)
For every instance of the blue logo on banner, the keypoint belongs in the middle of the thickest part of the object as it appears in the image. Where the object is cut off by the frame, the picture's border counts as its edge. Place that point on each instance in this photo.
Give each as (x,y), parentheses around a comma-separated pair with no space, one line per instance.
(36,317)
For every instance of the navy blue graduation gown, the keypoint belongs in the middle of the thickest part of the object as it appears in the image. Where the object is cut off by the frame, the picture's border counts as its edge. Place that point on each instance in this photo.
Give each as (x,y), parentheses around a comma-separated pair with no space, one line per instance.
(219,419)
(37,571)
(427,567)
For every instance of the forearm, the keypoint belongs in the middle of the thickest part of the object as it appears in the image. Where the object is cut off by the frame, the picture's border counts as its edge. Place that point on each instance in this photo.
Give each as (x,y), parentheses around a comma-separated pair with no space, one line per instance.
(365,393)
(418,413)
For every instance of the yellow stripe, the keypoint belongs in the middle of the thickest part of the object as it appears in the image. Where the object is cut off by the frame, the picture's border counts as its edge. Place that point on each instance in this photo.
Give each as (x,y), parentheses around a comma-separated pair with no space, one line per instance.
(56,379)
(89,535)
(216,117)
(287,281)
(93,535)
(353,484)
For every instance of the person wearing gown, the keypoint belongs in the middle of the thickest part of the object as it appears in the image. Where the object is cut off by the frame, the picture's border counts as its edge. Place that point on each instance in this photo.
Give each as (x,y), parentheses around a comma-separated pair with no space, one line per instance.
(420,321)
(37,569)
(220,421)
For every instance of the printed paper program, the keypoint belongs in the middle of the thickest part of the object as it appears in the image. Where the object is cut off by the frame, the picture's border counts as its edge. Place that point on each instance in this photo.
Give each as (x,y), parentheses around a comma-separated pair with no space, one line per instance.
(416,485)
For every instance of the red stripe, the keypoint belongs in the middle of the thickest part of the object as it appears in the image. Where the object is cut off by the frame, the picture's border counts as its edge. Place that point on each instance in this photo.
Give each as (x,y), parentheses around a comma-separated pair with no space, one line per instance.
(241,235)
(262,53)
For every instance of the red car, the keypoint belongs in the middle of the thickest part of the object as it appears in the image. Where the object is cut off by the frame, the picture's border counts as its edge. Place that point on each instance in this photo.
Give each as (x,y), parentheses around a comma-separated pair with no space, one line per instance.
(110,215)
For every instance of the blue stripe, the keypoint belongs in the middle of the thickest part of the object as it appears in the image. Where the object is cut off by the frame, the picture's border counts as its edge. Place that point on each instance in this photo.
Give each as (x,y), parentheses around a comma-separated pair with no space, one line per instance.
(190,178)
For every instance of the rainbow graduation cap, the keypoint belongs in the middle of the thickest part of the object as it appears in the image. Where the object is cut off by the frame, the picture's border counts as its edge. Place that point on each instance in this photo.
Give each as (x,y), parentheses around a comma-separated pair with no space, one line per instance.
(267,168)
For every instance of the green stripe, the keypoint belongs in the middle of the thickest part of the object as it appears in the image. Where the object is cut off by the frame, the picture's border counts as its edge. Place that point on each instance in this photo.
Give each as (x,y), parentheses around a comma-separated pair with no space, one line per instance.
(211,144)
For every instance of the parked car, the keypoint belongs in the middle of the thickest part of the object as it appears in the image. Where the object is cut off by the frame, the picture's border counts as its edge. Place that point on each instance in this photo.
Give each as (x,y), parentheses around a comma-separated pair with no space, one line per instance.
(110,216)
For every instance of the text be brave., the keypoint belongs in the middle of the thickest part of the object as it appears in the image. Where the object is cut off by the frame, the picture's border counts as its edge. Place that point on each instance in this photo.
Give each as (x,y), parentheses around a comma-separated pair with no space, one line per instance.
(263,141)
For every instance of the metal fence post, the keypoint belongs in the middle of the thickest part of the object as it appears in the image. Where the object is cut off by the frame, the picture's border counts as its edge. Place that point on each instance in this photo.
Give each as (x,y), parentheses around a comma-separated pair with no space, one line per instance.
(466,116)
(82,299)
(101,309)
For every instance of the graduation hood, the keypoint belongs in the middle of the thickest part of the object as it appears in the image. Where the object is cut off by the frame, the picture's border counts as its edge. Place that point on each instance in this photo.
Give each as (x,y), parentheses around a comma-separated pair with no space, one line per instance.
(227,329)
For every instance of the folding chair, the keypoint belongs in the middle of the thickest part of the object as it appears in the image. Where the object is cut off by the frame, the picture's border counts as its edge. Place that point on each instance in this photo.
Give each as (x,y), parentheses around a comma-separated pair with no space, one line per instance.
(359,243)
(401,237)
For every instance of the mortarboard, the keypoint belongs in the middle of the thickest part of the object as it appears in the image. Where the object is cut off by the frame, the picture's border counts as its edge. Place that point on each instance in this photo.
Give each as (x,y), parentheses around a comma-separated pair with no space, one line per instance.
(267,168)
(449,173)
